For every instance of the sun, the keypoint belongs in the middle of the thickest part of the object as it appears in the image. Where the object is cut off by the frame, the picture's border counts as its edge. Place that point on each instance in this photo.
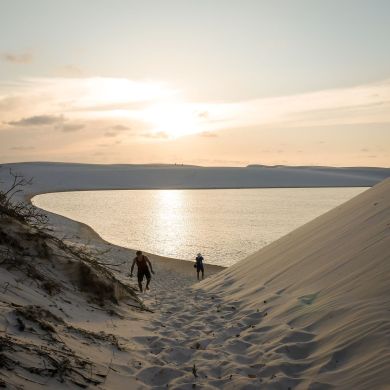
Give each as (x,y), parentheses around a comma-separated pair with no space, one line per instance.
(171,119)
(157,105)
(165,113)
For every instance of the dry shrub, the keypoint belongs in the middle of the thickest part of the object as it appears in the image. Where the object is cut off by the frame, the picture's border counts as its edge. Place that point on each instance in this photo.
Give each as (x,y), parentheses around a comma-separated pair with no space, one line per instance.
(20,210)
(42,317)
(90,281)
(51,287)
(28,243)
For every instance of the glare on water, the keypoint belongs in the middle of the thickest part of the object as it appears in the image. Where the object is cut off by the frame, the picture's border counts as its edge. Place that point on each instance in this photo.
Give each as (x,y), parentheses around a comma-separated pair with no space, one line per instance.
(225,225)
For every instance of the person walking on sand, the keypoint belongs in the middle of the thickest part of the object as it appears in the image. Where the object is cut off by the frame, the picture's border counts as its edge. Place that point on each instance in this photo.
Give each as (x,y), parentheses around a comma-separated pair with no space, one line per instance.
(199,265)
(143,265)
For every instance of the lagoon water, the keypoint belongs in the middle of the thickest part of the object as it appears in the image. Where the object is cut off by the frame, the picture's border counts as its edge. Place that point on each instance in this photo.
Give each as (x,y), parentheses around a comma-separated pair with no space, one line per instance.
(225,225)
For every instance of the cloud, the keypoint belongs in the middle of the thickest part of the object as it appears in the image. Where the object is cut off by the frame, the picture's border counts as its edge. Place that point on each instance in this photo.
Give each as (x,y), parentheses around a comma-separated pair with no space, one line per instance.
(17,58)
(355,105)
(208,134)
(157,135)
(155,110)
(70,70)
(120,128)
(110,134)
(114,131)
(22,148)
(342,106)
(93,99)
(9,103)
(203,114)
(59,123)
(71,127)
(38,120)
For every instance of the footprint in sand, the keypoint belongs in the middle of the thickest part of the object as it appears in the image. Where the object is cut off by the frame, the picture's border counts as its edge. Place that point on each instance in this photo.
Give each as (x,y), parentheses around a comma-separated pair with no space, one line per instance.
(238,346)
(158,376)
(308,299)
(298,336)
(299,350)
(178,355)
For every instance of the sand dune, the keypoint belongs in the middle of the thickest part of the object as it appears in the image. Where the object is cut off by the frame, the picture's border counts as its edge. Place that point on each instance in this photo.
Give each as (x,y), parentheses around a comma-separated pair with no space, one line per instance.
(309,311)
(55,311)
(319,300)
(51,177)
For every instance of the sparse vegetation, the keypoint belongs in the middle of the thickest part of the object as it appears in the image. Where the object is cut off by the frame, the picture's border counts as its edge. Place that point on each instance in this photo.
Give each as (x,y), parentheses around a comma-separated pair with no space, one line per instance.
(20,210)
(93,276)
(52,267)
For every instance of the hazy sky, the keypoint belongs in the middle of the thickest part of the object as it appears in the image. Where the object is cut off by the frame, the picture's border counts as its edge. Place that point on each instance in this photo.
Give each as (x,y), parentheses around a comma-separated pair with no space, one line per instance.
(211,82)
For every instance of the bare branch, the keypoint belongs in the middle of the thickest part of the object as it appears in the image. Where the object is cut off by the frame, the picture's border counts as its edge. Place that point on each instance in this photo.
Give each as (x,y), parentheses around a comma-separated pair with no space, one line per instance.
(23,211)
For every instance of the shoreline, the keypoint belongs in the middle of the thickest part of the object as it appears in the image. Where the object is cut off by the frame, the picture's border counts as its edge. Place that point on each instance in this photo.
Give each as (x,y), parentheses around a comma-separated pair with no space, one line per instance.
(33,194)
(125,177)
(93,234)
(83,233)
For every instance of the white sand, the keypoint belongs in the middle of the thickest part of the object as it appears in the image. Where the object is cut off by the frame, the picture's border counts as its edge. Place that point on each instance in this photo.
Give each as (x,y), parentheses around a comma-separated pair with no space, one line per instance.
(52,177)
(311,310)
(319,300)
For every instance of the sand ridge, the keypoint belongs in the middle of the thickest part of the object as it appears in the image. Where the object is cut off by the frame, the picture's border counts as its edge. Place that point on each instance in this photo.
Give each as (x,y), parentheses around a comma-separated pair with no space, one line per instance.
(55,177)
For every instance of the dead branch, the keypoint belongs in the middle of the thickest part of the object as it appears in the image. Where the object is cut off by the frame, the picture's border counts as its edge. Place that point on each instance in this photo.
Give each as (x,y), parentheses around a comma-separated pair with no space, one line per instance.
(23,211)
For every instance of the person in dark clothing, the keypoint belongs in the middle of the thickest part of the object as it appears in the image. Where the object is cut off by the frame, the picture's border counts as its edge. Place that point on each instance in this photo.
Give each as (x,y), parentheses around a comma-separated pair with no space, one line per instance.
(199,265)
(143,265)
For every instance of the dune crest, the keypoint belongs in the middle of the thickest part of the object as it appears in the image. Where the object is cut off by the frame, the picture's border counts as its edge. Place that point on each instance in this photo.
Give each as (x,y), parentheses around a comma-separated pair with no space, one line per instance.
(55,177)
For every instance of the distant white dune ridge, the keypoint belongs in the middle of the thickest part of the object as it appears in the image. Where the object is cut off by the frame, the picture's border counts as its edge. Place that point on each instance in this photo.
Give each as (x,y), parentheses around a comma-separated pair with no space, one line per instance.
(52,177)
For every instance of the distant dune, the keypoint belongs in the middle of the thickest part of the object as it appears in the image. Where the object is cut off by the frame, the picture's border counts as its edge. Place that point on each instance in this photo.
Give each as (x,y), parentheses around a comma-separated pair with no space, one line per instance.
(51,177)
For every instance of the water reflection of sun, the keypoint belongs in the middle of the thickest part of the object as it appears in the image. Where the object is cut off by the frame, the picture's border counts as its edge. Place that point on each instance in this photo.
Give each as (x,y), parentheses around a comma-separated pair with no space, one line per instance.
(170,220)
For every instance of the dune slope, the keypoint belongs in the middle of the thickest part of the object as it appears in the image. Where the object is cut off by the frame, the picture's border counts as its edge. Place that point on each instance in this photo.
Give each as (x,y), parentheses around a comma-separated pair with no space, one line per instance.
(55,303)
(316,303)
